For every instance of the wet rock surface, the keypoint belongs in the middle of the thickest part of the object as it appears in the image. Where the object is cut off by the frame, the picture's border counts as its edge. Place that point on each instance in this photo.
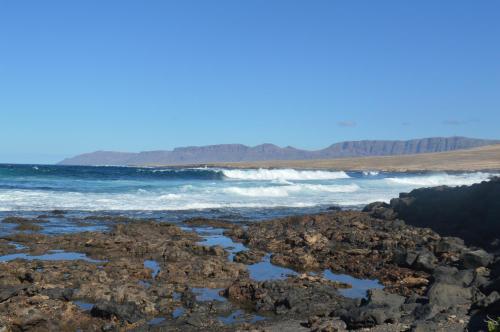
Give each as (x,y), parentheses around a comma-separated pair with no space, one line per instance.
(144,275)
(120,292)
(249,256)
(352,243)
(431,282)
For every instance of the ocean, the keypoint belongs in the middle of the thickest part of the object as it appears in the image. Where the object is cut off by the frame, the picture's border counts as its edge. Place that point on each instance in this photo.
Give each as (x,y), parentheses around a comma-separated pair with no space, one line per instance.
(178,193)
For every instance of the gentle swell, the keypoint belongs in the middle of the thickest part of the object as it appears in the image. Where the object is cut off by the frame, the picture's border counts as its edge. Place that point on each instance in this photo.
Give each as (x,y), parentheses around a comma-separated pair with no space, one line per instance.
(107,172)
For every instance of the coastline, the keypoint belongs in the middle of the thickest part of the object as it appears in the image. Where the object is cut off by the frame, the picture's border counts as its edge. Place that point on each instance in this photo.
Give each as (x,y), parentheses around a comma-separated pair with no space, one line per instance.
(300,273)
(485,159)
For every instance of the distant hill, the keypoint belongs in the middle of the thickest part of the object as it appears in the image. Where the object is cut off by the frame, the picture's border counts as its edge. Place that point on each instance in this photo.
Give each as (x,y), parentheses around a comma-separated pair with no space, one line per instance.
(483,158)
(223,153)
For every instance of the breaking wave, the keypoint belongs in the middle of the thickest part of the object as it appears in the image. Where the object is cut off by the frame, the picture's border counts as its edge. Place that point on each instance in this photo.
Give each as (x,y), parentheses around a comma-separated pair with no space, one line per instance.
(46,187)
(441,179)
(284,191)
(282,174)
(28,200)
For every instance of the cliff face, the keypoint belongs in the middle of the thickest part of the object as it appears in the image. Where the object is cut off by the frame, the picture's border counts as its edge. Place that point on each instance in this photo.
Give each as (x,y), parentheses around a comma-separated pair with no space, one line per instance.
(471,213)
(243,153)
(390,148)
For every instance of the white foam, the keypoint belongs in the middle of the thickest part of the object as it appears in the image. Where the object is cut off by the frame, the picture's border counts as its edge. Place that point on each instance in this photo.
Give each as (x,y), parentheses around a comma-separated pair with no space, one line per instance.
(170,196)
(441,179)
(280,190)
(258,191)
(282,174)
(30,200)
(347,188)
(284,191)
(370,173)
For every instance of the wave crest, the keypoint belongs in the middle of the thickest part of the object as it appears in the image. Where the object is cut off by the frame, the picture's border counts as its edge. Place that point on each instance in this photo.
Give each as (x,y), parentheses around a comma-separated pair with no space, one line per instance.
(282,174)
(284,191)
(441,179)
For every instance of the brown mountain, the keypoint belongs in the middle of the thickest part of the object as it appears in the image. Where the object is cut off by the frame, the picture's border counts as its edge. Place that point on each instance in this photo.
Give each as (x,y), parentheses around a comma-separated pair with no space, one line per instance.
(242,153)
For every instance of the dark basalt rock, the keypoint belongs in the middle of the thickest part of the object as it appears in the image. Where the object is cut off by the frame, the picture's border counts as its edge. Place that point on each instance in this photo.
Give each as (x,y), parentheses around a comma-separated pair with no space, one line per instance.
(471,213)
(453,276)
(64,294)
(22,220)
(380,210)
(380,308)
(426,261)
(36,321)
(8,291)
(293,297)
(475,259)
(448,295)
(449,244)
(426,311)
(421,259)
(249,256)
(490,300)
(492,285)
(108,310)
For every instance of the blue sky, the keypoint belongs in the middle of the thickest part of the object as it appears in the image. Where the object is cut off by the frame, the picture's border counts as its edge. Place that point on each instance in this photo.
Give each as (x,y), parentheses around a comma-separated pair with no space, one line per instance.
(78,76)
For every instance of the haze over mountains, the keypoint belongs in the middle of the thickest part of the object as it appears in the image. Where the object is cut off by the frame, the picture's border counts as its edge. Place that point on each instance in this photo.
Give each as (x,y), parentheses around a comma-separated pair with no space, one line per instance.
(242,153)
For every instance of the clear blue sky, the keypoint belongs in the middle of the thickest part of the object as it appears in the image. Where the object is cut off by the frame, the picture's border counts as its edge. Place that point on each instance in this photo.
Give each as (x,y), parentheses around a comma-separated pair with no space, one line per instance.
(78,76)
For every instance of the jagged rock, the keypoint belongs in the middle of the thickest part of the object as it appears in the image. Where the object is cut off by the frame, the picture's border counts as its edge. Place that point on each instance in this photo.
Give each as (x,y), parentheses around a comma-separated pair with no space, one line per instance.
(453,276)
(421,259)
(378,297)
(109,310)
(248,256)
(449,244)
(488,300)
(425,326)
(36,321)
(6,292)
(64,294)
(475,259)
(196,320)
(380,210)
(295,297)
(381,307)
(471,213)
(446,295)
(426,311)
(425,261)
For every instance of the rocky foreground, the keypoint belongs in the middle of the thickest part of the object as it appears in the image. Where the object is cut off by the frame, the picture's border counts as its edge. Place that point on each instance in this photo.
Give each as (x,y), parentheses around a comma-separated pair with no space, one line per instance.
(143,275)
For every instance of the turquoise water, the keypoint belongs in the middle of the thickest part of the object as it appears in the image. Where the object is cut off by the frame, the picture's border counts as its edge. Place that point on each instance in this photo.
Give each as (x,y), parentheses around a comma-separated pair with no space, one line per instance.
(246,192)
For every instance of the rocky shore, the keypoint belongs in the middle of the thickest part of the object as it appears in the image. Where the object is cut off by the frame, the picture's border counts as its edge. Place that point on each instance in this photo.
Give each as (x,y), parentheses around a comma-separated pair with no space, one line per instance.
(290,274)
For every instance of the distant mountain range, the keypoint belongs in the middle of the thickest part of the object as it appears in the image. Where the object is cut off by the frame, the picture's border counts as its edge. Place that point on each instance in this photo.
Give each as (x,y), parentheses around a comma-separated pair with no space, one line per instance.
(242,153)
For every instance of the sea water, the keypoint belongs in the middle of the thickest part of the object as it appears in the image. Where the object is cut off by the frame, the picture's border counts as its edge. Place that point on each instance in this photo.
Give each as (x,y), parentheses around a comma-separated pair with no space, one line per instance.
(249,193)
